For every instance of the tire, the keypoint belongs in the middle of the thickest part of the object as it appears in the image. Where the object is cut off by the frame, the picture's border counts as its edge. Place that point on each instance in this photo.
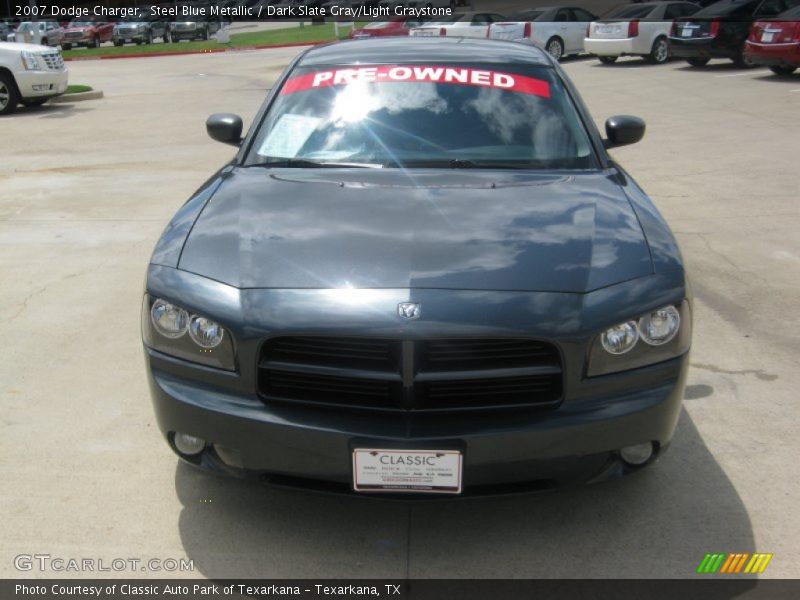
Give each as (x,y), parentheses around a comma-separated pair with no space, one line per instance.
(119,43)
(66,47)
(659,54)
(34,102)
(9,96)
(167,37)
(45,42)
(555,48)
(782,70)
(607,60)
(742,61)
(696,61)
(96,42)
(149,37)
(205,35)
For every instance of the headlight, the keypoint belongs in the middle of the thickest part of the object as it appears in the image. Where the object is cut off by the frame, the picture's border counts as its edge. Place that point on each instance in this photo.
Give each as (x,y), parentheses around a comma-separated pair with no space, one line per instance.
(169,320)
(660,326)
(654,337)
(165,327)
(620,338)
(205,332)
(32,62)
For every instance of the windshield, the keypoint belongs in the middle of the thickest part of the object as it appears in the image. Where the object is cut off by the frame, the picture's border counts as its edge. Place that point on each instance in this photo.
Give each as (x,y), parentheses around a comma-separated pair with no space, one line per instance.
(481,116)
(83,23)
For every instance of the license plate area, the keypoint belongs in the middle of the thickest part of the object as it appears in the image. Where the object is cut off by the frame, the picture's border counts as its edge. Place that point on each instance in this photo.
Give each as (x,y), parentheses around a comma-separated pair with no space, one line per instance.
(407,471)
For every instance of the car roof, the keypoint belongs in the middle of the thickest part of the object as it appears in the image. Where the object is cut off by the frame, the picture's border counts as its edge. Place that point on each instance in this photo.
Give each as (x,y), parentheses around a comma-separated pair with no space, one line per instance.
(424,50)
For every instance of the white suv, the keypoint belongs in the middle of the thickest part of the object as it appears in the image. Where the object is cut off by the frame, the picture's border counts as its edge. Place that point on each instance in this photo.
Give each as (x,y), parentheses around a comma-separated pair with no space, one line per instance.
(30,74)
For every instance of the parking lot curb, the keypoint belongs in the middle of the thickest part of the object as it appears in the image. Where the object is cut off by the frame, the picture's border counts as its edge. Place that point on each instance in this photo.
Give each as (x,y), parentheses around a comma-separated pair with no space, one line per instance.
(79,97)
(187,52)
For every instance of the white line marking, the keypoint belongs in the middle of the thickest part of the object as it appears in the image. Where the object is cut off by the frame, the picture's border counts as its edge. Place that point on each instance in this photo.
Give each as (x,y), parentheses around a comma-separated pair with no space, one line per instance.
(741,74)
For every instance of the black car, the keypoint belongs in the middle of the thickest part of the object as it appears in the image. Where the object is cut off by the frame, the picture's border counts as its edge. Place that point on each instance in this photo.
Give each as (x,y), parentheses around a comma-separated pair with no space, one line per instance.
(720,30)
(422,272)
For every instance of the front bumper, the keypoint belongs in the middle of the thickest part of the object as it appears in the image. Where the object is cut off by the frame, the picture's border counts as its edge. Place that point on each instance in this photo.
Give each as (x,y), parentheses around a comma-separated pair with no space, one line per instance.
(42,84)
(615,47)
(576,444)
(138,36)
(774,54)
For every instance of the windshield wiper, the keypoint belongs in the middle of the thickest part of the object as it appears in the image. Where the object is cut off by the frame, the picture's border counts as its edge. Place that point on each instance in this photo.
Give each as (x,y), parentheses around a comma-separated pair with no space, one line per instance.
(306,163)
(460,163)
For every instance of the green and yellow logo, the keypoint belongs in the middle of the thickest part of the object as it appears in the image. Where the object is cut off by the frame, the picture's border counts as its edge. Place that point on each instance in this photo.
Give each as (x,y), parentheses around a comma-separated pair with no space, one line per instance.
(740,562)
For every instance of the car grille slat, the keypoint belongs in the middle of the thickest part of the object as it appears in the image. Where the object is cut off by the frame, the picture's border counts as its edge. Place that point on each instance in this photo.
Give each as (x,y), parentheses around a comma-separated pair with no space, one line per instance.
(439,374)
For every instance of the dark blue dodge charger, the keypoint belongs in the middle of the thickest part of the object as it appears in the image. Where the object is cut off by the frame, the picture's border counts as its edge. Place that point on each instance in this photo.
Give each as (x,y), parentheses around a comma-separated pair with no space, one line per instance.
(422,273)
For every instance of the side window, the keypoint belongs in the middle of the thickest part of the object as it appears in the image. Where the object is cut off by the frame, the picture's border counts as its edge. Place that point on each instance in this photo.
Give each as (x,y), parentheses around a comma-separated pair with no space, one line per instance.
(673,11)
(578,14)
(480,19)
(495,18)
(770,8)
(562,15)
(689,9)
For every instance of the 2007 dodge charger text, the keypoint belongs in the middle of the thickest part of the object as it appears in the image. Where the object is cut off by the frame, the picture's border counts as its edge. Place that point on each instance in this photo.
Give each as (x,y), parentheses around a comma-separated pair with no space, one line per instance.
(424,274)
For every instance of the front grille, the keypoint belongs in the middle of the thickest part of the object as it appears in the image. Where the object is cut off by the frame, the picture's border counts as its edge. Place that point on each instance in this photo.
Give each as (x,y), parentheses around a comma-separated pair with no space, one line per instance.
(53,61)
(74,35)
(410,375)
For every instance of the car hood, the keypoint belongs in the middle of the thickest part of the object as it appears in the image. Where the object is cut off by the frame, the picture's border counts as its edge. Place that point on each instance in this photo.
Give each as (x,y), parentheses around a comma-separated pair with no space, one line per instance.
(79,29)
(365,228)
(19,47)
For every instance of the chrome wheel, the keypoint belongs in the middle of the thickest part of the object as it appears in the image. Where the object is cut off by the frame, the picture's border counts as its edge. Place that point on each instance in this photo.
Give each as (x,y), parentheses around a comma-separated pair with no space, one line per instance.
(5,96)
(9,98)
(660,51)
(555,48)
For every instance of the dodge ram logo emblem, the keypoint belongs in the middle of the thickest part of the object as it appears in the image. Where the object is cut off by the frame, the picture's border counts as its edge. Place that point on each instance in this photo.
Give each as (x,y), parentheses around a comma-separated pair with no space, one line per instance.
(408,310)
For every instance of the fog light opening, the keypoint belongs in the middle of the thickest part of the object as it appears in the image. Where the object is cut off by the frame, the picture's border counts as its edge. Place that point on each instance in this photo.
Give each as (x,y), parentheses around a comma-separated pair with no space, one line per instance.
(188,445)
(637,455)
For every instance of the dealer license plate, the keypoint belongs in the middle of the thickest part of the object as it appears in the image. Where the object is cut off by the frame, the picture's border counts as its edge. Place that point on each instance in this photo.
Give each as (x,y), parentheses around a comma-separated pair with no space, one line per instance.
(767,36)
(686,32)
(418,471)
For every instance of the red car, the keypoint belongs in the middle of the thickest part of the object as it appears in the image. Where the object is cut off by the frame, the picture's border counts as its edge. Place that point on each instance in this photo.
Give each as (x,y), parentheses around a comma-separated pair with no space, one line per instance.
(86,33)
(775,42)
(395,27)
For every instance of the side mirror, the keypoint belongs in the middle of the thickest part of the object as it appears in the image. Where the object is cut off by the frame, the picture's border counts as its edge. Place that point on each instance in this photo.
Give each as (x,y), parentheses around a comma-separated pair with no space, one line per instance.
(225,128)
(622,130)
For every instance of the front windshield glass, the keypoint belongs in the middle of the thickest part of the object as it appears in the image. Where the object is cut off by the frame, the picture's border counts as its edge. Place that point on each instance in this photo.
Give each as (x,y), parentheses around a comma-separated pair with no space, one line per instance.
(482,116)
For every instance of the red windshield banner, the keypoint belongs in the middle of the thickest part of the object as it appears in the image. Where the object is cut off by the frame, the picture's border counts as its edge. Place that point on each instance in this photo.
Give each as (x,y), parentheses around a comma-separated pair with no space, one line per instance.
(510,82)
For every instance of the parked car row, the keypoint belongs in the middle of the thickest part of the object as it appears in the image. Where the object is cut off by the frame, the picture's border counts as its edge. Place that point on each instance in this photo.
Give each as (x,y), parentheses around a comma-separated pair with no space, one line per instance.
(749,32)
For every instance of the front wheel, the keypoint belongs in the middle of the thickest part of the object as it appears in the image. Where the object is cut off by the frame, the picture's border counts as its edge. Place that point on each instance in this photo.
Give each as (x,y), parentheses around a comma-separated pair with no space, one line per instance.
(66,47)
(9,97)
(96,42)
(149,37)
(782,70)
(607,60)
(118,43)
(555,48)
(660,52)
(696,61)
